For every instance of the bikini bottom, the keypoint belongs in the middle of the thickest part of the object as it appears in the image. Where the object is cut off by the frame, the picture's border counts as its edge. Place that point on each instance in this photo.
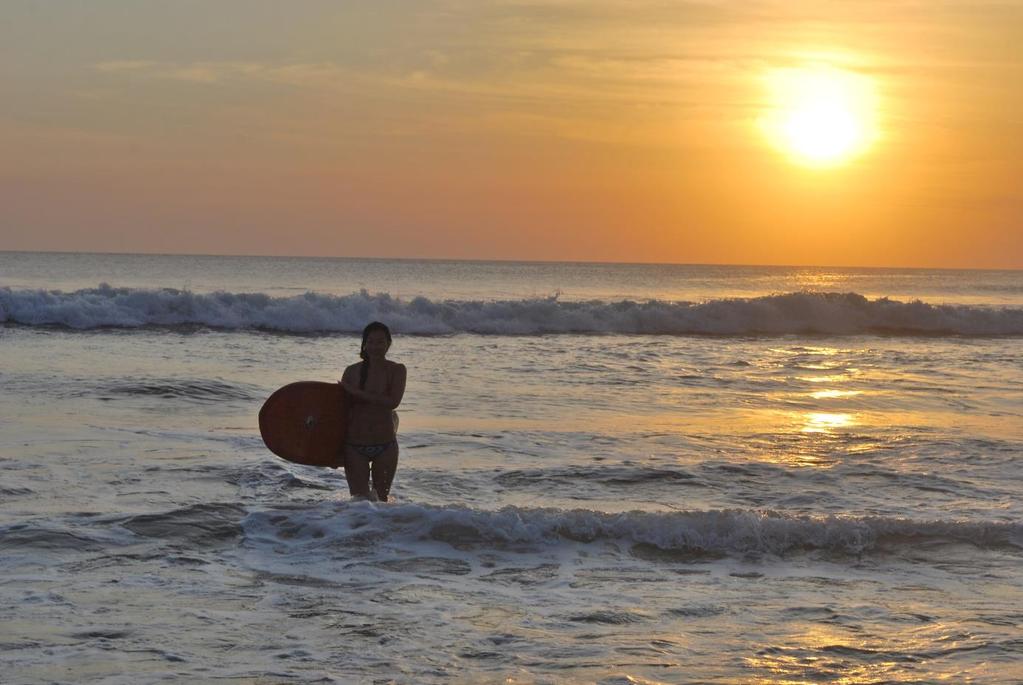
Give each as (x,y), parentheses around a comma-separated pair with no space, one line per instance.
(371,452)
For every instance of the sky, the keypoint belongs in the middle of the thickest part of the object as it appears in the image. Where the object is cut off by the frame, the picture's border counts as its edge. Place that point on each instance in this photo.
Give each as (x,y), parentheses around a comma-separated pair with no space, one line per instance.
(590,130)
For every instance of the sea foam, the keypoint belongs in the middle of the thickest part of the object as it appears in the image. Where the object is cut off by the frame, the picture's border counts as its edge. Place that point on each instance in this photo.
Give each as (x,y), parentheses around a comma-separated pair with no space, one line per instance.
(714,532)
(791,313)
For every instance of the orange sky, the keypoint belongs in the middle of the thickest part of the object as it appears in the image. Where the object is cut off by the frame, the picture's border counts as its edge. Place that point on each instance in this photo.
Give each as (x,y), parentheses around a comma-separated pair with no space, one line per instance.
(606,130)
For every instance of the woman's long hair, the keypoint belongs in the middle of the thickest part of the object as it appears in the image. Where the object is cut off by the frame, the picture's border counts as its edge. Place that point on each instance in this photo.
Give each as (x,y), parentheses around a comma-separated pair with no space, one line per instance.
(364,371)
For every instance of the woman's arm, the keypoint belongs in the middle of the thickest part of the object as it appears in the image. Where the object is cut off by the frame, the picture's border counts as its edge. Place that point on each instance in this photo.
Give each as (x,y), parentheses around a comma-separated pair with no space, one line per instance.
(391,399)
(350,377)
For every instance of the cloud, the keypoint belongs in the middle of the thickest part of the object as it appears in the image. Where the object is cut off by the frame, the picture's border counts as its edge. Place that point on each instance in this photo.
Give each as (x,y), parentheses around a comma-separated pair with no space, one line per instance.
(120,66)
(195,72)
(556,77)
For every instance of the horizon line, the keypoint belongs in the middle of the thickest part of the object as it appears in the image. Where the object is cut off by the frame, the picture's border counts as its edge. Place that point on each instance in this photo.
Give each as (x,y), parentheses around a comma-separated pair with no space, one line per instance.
(504,261)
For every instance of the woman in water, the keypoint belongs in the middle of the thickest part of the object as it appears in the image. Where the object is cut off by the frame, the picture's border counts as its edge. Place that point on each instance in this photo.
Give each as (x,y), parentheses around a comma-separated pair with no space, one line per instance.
(374,387)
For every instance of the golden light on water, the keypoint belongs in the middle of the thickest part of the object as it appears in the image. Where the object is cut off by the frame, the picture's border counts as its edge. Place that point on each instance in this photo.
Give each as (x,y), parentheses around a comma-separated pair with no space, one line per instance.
(835,378)
(810,653)
(833,394)
(823,422)
(821,116)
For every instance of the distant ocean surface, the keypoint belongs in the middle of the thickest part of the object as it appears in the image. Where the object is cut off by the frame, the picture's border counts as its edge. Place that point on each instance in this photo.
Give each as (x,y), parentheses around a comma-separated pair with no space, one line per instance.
(609,473)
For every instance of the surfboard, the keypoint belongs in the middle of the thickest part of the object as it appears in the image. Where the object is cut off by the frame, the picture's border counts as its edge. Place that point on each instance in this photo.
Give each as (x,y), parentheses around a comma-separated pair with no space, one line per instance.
(305,423)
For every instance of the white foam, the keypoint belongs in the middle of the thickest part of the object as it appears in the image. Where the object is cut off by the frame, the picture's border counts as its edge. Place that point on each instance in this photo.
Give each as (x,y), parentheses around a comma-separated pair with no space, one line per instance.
(701,532)
(792,313)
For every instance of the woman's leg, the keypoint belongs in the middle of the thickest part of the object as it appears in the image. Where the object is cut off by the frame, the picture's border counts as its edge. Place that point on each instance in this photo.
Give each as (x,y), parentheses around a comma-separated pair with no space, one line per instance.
(384,467)
(356,472)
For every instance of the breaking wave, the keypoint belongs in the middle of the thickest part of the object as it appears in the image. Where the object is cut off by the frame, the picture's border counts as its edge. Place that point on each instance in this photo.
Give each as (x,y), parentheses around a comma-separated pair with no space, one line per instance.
(694,533)
(192,390)
(791,313)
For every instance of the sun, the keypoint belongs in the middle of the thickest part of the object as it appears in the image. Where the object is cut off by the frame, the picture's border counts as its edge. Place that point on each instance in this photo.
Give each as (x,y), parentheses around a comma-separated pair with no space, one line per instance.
(821,116)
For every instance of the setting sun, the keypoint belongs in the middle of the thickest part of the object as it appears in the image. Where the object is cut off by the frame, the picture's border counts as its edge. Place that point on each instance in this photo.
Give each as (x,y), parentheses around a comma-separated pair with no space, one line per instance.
(820,116)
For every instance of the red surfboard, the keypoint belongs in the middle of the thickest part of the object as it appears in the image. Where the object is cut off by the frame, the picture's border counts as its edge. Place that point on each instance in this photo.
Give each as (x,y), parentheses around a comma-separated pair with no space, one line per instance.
(305,423)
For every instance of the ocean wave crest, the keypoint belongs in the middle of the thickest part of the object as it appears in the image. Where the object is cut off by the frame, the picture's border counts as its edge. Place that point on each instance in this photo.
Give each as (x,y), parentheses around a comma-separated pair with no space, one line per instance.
(690,533)
(791,313)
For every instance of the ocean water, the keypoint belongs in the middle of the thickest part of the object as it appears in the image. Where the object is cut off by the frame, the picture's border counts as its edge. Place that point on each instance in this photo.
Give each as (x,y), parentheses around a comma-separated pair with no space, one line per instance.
(609,474)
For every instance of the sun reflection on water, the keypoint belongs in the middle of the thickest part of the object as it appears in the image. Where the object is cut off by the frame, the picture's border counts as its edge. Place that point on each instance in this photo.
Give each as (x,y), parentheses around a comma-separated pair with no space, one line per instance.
(818,653)
(820,281)
(825,422)
(830,394)
(837,378)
